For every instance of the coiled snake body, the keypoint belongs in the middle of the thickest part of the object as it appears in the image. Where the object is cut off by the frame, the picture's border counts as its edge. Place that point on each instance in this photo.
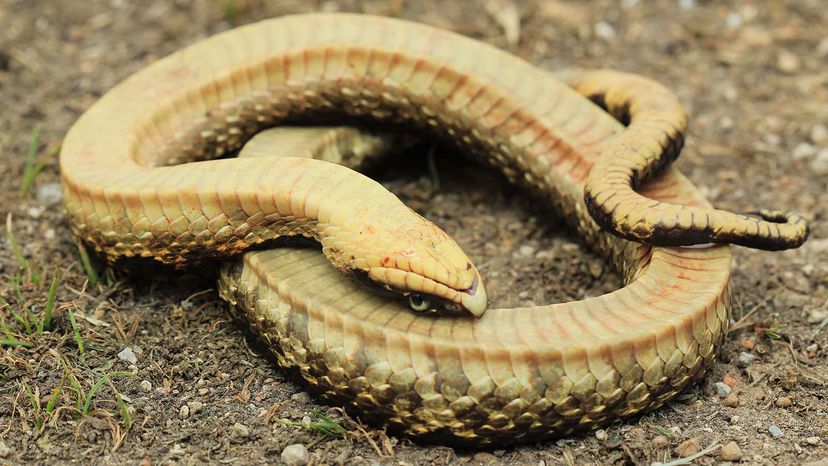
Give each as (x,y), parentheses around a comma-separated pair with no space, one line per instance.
(512,375)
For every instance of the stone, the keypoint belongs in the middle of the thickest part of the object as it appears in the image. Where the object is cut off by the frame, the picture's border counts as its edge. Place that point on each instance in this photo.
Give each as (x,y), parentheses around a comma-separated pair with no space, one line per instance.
(813,441)
(803,150)
(128,355)
(661,441)
(816,316)
(195,406)
(240,431)
(526,251)
(722,389)
(601,435)
(820,162)
(775,431)
(731,400)
(783,402)
(605,31)
(730,452)
(146,386)
(485,458)
(295,455)
(49,194)
(176,450)
(745,359)
(300,397)
(688,447)
(5,451)
(788,62)
(184,412)
(819,133)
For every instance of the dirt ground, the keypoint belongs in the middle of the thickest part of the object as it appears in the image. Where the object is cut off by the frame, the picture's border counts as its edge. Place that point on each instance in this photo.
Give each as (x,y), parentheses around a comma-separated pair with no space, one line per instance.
(752,74)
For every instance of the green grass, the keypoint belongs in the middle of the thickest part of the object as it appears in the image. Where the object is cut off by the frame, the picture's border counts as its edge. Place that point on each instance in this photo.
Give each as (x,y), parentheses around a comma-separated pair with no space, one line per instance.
(91,274)
(76,331)
(32,166)
(46,322)
(14,245)
(322,424)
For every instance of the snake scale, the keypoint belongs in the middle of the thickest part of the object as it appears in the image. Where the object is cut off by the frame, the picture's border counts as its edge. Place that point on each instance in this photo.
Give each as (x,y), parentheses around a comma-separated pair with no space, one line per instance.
(502,376)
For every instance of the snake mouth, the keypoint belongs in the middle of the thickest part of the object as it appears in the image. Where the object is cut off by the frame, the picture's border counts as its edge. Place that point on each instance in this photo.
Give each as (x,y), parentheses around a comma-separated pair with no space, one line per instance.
(474,299)
(425,295)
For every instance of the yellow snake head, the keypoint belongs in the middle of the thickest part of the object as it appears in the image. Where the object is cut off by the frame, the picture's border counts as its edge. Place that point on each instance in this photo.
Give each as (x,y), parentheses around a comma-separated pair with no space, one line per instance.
(415,259)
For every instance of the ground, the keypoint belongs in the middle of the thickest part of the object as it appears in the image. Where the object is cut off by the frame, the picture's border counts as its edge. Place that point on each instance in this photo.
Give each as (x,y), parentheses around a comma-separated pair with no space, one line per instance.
(752,74)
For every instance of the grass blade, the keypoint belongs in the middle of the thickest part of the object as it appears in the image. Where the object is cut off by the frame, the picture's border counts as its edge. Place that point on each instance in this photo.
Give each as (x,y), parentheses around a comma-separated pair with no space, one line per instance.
(46,322)
(91,394)
(24,264)
(32,168)
(87,266)
(76,331)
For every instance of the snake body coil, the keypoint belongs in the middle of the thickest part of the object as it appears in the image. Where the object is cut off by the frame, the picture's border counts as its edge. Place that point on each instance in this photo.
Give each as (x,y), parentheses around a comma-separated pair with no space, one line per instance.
(513,375)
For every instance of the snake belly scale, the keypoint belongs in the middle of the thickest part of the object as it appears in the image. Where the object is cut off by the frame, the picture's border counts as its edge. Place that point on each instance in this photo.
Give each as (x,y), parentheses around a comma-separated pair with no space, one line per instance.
(513,375)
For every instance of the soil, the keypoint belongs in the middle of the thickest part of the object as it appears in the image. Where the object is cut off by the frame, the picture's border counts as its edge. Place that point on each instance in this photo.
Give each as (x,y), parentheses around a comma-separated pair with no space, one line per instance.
(752,74)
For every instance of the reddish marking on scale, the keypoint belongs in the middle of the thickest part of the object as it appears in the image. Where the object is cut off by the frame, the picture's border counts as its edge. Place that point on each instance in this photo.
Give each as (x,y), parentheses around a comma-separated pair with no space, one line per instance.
(385,260)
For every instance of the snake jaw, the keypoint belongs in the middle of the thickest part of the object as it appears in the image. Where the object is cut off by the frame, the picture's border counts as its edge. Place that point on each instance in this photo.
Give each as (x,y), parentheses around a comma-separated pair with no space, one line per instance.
(474,299)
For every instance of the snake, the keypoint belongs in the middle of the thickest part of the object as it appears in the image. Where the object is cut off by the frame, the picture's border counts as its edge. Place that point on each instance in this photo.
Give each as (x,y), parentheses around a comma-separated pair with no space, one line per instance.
(390,319)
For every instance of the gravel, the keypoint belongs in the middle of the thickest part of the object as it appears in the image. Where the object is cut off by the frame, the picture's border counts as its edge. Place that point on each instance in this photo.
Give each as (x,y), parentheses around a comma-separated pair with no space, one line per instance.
(745,359)
(730,452)
(722,389)
(775,431)
(128,355)
(295,455)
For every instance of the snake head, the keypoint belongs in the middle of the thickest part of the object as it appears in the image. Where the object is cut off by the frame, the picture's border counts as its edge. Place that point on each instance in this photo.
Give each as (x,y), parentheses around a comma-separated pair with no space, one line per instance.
(414,259)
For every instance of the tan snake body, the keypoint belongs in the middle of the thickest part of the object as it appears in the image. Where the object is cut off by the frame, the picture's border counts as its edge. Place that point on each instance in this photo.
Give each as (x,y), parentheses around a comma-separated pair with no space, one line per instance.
(511,376)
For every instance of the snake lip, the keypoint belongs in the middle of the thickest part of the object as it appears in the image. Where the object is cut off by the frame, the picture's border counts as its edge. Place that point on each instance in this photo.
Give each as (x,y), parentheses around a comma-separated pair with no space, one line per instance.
(474,299)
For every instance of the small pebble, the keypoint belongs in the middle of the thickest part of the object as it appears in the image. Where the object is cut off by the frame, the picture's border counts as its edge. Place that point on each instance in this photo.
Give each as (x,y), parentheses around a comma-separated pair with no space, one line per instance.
(596,269)
(787,62)
(661,441)
(195,406)
(5,451)
(295,455)
(240,431)
(820,162)
(128,355)
(731,400)
(730,452)
(34,212)
(722,389)
(184,412)
(734,419)
(48,194)
(526,251)
(203,391)
(819,133)
(783,402)
(730,380)
(146,386)
(176,450)
(601,434)
(49,234)
(300,397)
(745,359)
(813,441)
(803,150)
(775,431)
(688,447)
(605,31)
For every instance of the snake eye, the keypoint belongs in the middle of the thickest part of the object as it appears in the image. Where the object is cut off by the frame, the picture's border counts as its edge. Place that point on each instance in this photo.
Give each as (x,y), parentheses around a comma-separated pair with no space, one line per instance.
(417,302)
